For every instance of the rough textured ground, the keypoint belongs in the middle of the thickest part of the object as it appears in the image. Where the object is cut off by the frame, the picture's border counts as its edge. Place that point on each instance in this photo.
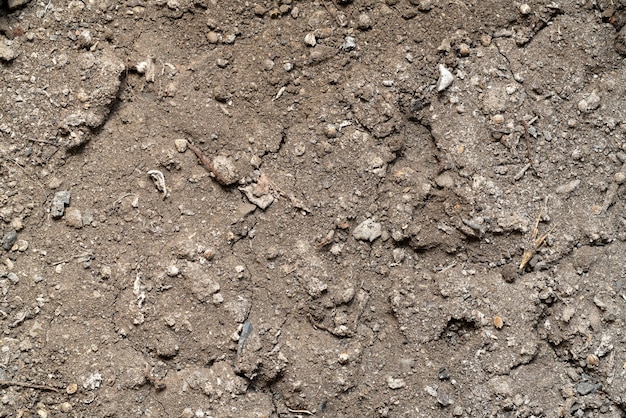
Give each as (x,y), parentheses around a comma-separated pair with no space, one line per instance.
(353,246)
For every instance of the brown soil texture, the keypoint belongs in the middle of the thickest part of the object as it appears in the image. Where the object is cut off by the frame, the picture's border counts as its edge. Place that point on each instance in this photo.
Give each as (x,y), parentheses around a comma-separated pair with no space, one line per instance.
(290,208)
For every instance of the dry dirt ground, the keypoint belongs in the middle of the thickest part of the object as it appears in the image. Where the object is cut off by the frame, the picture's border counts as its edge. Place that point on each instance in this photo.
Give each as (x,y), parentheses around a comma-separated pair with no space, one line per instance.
(284,208)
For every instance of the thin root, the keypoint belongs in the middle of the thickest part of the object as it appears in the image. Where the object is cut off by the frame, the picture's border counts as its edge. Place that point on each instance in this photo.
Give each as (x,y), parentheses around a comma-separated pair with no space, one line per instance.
(209,166)
(28,385)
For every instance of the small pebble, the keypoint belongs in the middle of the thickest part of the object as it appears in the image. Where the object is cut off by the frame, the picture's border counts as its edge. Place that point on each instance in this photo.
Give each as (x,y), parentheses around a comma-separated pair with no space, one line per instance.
(71,388)
(65,407)
(592,360)
(589,103)
(443,399)
(464,50)
(395,383)
(268,64)
(172,271)
(348,44)
(209,254)
(425,5)
(181,145)
(310,40)
(365,22)
(498,322)
(497,119)
(74,218)
(368,230)
(9,239)
(212,37)
(226,170)
(59,202)
(259,10)
(445,78)
(21,245)
(585,388)
(524,9)
(344,358)
(17,224)
(619,177)
(13,278)
(330,131)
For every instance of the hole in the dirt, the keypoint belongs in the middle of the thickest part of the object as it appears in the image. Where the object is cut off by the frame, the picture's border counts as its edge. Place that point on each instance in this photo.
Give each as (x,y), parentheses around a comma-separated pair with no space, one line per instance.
(457,330)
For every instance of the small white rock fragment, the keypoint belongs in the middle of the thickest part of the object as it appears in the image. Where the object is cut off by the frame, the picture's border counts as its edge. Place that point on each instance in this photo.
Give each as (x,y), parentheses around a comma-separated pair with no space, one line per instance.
(218,298)
(368,230)
(349,44)
(6,53)
(147,69)
(93,381)
(172,271)
(619,177)
(315,287)
(263,201)
(159,181)
(524,9)
(395,383)
(589,103)
(445,78)
(310,40)
(181,145)
(336,249)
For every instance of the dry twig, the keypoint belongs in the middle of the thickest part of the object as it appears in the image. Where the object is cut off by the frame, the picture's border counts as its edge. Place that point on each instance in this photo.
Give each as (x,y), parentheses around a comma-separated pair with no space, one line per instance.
(209,166)
(535,242)
(28,385)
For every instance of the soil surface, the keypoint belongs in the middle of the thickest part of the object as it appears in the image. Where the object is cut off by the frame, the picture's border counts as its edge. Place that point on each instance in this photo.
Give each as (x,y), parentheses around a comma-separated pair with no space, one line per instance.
(400,208)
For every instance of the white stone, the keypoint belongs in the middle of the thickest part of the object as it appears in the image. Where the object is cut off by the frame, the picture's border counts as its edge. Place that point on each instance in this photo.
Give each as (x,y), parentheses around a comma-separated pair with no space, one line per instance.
(310,40)
(445,78)
(368,230)
(181,145)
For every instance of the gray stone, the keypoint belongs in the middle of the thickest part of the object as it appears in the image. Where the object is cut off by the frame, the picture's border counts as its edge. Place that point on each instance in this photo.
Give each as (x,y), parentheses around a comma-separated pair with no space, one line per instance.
(585,388)
(59,202)
(368,230)
(9,239)
(443,399)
